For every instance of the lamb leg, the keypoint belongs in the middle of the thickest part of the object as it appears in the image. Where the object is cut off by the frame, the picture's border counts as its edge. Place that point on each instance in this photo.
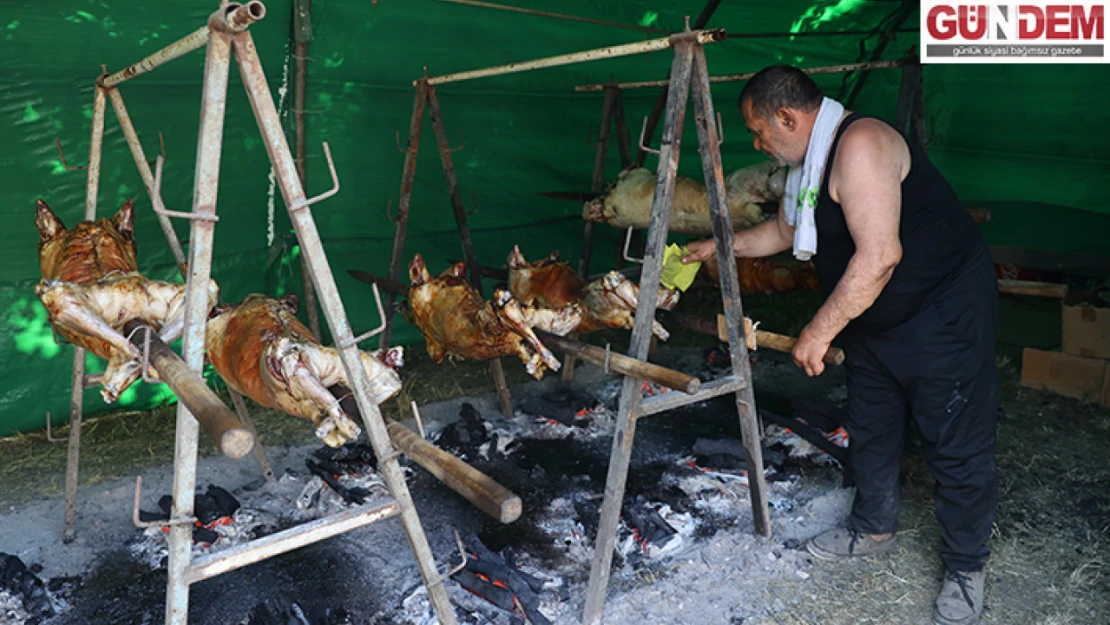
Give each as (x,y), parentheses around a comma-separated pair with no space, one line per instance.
(509,310)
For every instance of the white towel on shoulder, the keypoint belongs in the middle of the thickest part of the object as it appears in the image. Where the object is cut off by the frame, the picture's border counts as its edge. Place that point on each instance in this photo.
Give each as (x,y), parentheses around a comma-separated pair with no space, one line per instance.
(803,184)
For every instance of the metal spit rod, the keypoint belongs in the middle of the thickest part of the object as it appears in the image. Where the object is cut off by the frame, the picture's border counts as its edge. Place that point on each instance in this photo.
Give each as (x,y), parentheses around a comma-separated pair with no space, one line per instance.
(639,47)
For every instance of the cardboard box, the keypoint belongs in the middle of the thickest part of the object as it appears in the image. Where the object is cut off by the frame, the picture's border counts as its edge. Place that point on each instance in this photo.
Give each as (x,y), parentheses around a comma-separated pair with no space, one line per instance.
(1086,326)
(1086,379)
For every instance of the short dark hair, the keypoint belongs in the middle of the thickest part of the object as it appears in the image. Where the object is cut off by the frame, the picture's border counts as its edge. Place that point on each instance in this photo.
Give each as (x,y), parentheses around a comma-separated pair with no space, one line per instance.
(780,86)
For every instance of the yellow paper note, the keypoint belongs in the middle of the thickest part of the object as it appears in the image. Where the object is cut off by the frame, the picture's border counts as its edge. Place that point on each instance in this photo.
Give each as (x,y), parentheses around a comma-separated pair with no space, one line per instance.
(676,274)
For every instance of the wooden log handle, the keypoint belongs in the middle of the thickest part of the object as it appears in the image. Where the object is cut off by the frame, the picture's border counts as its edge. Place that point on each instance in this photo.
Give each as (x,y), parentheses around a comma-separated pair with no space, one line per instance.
(1027,287)
(777,342)
(214,417)
(620,363)
(784,343)
(476,487)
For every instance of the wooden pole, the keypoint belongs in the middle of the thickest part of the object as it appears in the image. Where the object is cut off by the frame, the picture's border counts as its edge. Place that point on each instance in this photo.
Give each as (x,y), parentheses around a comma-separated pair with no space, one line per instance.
(1038,289)
(619,363)
(661,100)
(631,394)
(440,130)
(708,147)
(214,417)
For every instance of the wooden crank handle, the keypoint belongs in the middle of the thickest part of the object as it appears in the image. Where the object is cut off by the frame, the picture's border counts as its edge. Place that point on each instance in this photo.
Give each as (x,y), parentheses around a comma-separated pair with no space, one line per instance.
(784,343)
(476,487)
(215,418)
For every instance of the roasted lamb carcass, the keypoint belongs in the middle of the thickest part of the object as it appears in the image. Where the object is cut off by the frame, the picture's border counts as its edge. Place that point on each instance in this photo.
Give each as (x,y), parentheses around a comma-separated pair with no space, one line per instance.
(263,351)
(91,287)
(456,321)
(627,202)
(608,302)
(763,276)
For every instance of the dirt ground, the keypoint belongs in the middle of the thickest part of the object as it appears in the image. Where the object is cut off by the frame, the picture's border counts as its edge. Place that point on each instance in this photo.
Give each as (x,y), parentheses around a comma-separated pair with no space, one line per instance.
(1049,560)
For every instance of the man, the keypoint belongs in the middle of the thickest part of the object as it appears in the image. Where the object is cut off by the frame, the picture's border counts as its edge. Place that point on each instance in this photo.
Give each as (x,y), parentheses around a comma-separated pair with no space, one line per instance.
(912,296)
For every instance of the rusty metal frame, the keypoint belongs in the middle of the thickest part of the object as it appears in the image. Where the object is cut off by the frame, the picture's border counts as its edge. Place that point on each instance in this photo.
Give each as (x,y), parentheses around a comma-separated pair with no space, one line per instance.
(225,34)
(688,78)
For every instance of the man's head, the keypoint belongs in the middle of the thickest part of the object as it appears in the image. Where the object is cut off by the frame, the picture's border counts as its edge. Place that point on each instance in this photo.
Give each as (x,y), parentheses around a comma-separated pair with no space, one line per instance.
(779,105)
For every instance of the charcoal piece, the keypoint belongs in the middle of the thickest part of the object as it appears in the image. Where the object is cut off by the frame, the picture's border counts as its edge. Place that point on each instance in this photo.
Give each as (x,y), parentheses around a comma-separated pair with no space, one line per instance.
(204,535)
(814,436)
(225,502)
(535,583)
(589,514)
(15,577)
(821,414)
(350,495)
(729,453)
(351,458)
(466,435)
(646,520)
(498,570)
(210,506)
(562,407)
(278,612)
(498,596)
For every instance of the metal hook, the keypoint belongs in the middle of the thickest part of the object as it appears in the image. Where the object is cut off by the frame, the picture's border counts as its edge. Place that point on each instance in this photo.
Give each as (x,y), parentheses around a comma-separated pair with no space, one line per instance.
(459,567)
(160,207)
(643,129)
(162,145)
(720,130)
(351,342)
(51,438)
(474,201)
(590,136)
(627,241)
(334,181)
(462,144)
(397,141)
(419,423)
(146,354)
(388,206)
(147,524)
(61,154)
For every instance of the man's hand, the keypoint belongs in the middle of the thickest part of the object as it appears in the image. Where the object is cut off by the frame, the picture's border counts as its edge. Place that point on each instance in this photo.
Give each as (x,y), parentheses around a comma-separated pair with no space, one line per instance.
(809,352)
(701,251)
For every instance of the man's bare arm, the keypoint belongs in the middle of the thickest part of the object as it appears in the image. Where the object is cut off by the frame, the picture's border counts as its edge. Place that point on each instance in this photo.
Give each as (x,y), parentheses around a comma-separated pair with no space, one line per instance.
(769,237)
(867,177)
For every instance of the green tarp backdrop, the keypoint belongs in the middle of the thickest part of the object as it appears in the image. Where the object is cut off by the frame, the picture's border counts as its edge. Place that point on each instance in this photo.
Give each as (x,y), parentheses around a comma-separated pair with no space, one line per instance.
(1025,140)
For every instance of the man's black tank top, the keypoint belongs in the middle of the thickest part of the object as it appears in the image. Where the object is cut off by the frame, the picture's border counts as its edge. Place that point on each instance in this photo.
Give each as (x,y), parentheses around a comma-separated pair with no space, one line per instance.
(938,238)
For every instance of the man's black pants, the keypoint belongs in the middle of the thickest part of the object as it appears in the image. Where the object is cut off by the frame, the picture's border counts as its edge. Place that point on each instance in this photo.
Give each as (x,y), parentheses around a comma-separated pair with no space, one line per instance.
(938,368)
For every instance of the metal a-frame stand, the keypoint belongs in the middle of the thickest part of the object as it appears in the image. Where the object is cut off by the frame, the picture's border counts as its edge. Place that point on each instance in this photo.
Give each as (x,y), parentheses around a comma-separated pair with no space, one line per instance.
(426,97)
(226,32)
(689,77)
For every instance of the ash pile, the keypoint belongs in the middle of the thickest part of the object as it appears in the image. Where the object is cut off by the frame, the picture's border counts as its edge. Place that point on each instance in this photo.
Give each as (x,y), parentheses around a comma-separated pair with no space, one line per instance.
(688,482)
(332,480)
(25,599)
